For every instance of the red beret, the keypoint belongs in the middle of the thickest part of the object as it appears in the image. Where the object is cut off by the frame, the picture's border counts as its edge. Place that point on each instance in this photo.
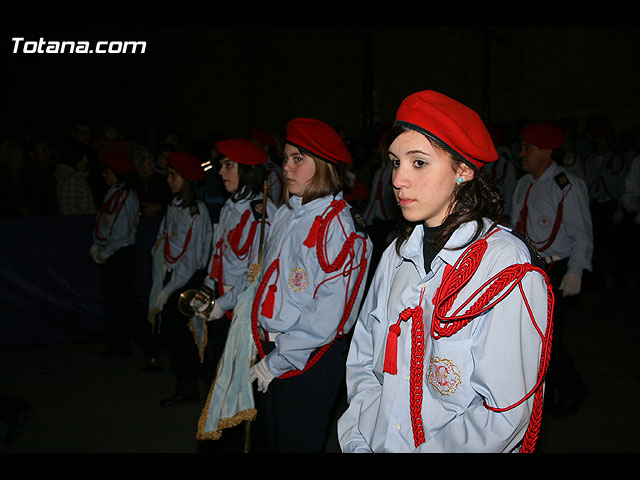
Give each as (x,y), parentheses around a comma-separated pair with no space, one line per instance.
(543,135)
(453,125)
(262,137)
(118,162)
(318,138)
(242,151)
(186,165)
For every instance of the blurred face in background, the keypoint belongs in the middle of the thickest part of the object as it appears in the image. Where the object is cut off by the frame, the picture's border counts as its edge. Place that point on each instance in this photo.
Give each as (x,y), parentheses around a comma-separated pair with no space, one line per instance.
(175,180)
(229,174)
(110,177)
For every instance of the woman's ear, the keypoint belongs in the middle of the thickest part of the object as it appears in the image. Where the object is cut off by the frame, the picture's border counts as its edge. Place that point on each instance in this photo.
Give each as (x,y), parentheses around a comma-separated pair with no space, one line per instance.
(465,173)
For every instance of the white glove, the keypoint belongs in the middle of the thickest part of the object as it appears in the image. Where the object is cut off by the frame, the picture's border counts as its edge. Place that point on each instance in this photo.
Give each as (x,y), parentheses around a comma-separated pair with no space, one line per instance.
(100,257)
(97,254)
(570,284)
(216,312)
(95,248)
(261,372)
(161,299)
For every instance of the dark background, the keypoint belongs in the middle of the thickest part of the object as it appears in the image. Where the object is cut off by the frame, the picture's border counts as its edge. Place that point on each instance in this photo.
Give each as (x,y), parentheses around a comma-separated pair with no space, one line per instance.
(224,79)
(206,72)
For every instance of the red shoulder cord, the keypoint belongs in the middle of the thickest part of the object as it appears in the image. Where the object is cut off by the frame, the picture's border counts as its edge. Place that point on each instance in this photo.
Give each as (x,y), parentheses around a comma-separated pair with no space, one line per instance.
(114,204)
(235,235)
(454,279)
(521,225)
(167,246)
(316,238)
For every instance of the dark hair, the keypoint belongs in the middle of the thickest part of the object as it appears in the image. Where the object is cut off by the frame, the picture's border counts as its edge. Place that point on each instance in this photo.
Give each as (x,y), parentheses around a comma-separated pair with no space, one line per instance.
(250,181)
(472,202)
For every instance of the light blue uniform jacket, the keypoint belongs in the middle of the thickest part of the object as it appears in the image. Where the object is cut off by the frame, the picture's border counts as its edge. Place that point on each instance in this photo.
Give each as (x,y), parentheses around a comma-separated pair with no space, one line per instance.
(176,224)
(495,357)
(309,303)
(236,267)
(118,229)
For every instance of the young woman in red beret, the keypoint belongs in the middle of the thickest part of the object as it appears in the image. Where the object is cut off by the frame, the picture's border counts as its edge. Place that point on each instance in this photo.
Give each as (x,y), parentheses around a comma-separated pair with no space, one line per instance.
(236,236)
(309,291)
(184,242)
(451,345)
(114,249)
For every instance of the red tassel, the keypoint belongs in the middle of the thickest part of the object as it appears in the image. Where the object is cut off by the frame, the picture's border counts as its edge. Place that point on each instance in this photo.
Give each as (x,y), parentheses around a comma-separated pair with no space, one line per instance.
(310,242)
(391,351)
(267,306)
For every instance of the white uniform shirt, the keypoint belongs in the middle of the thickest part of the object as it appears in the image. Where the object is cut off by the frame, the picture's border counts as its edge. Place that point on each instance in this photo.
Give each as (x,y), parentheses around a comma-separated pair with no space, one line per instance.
(117,221)
(185,255)
(309,303)
(236,264)
(574,239)
(494,358)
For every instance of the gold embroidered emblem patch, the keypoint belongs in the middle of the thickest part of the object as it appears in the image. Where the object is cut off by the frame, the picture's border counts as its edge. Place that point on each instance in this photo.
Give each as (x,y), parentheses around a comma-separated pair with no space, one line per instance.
(298,280)
(444,375)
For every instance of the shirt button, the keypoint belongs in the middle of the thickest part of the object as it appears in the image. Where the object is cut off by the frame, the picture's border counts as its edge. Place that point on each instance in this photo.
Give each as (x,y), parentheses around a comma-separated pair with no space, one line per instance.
(397,426)
(407,378)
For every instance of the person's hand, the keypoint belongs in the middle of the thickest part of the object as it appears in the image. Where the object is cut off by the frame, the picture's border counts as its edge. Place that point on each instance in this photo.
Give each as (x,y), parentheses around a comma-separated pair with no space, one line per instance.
(261,373)
(216,312)
(95,248)
(571,284)
(161,299)
(101,257)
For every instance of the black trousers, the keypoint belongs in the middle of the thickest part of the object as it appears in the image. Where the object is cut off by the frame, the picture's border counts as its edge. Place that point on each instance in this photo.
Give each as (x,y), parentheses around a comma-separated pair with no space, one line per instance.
(124,317)
(563,378)
(181,346)
(295,412)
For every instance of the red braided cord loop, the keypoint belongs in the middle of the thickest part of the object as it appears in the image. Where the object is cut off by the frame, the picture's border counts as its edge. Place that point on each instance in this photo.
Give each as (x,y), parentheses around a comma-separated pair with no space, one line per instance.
(115,203)
(416,374)
(234,236)
(167,248)
(416,364)
(339,262)
(510,277)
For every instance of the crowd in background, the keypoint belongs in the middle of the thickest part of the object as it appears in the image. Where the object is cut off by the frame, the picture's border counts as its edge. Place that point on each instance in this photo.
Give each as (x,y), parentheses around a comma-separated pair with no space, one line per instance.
(43,176)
